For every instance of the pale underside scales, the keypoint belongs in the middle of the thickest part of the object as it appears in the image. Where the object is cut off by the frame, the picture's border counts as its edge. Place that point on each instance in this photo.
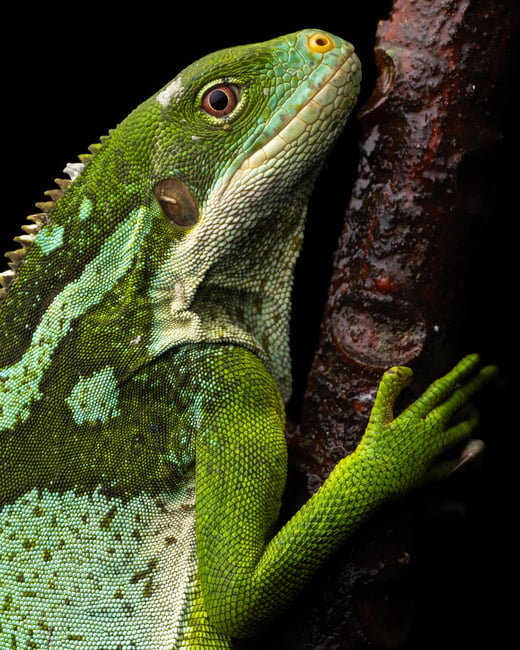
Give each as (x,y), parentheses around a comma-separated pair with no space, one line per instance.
(87,579)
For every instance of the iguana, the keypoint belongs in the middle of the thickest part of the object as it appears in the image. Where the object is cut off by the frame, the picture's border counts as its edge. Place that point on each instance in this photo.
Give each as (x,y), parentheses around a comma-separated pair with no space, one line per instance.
(144,365)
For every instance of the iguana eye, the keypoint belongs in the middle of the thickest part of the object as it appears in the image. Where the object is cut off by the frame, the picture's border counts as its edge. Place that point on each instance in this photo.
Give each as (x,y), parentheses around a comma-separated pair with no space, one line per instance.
(221,100)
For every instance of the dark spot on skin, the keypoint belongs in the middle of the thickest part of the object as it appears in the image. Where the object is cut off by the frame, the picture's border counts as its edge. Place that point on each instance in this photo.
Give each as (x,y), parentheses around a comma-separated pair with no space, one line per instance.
(141,575)
(108,518)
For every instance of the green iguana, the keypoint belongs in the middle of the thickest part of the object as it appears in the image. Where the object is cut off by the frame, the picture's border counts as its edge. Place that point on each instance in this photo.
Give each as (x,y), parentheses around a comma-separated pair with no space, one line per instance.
(144,366)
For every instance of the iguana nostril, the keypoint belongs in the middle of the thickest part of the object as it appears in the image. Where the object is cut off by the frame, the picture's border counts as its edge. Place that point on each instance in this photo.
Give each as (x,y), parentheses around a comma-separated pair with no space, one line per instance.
(320,42)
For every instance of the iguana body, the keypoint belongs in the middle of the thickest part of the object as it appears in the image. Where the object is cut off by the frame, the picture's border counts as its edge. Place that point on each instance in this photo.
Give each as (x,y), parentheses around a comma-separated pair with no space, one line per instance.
(144,363)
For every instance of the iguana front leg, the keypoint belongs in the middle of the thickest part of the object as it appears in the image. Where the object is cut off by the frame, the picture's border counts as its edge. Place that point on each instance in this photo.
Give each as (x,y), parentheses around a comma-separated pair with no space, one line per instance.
(246,577)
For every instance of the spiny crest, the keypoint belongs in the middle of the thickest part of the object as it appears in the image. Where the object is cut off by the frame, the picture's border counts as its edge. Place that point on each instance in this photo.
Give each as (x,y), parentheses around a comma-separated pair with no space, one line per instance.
(42,218)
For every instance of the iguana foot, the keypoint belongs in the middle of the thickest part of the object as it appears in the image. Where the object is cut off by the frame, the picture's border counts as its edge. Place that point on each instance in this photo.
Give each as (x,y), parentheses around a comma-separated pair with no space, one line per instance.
(407,446)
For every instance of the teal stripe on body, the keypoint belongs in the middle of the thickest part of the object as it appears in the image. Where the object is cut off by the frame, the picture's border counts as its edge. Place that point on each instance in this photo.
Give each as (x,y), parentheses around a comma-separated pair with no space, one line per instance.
(20,382)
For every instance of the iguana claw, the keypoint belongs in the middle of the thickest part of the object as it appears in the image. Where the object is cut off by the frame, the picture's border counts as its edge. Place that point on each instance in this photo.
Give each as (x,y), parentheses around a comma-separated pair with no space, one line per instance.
(472,450)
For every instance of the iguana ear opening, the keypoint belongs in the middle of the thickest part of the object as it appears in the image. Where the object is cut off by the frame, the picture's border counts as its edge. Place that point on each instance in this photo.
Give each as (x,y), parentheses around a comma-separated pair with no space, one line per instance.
(177,202)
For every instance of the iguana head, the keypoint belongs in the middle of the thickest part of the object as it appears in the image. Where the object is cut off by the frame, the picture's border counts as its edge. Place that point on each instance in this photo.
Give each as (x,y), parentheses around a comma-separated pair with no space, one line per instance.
(186,223)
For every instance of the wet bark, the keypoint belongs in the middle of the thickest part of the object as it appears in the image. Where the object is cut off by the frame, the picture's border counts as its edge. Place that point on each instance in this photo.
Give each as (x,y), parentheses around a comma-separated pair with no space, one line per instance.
(432,132)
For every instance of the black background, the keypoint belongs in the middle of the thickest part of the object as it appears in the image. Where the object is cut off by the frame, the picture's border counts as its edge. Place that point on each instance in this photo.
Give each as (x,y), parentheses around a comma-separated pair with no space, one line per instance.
(70,74)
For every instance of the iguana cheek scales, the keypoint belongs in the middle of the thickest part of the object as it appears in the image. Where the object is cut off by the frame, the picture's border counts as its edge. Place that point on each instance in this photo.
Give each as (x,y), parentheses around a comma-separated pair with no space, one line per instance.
(144,362)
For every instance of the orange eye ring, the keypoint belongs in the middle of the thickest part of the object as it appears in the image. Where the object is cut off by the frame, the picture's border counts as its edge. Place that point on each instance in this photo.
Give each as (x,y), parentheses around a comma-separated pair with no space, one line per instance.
(320,42)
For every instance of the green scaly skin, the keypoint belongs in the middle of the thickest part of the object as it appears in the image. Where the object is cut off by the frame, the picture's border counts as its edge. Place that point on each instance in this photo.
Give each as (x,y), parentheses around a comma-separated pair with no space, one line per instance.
(146,328)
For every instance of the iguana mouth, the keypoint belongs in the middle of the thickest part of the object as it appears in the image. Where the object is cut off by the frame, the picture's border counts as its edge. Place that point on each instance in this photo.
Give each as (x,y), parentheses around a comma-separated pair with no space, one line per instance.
(306,122)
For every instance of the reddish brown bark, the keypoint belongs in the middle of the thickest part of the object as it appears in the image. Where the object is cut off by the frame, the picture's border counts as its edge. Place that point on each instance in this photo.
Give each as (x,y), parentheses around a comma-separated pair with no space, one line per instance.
(429,134)
(398,282)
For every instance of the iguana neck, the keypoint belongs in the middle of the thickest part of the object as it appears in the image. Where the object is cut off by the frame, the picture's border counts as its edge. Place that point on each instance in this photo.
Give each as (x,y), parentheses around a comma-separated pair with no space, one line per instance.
(259,320)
